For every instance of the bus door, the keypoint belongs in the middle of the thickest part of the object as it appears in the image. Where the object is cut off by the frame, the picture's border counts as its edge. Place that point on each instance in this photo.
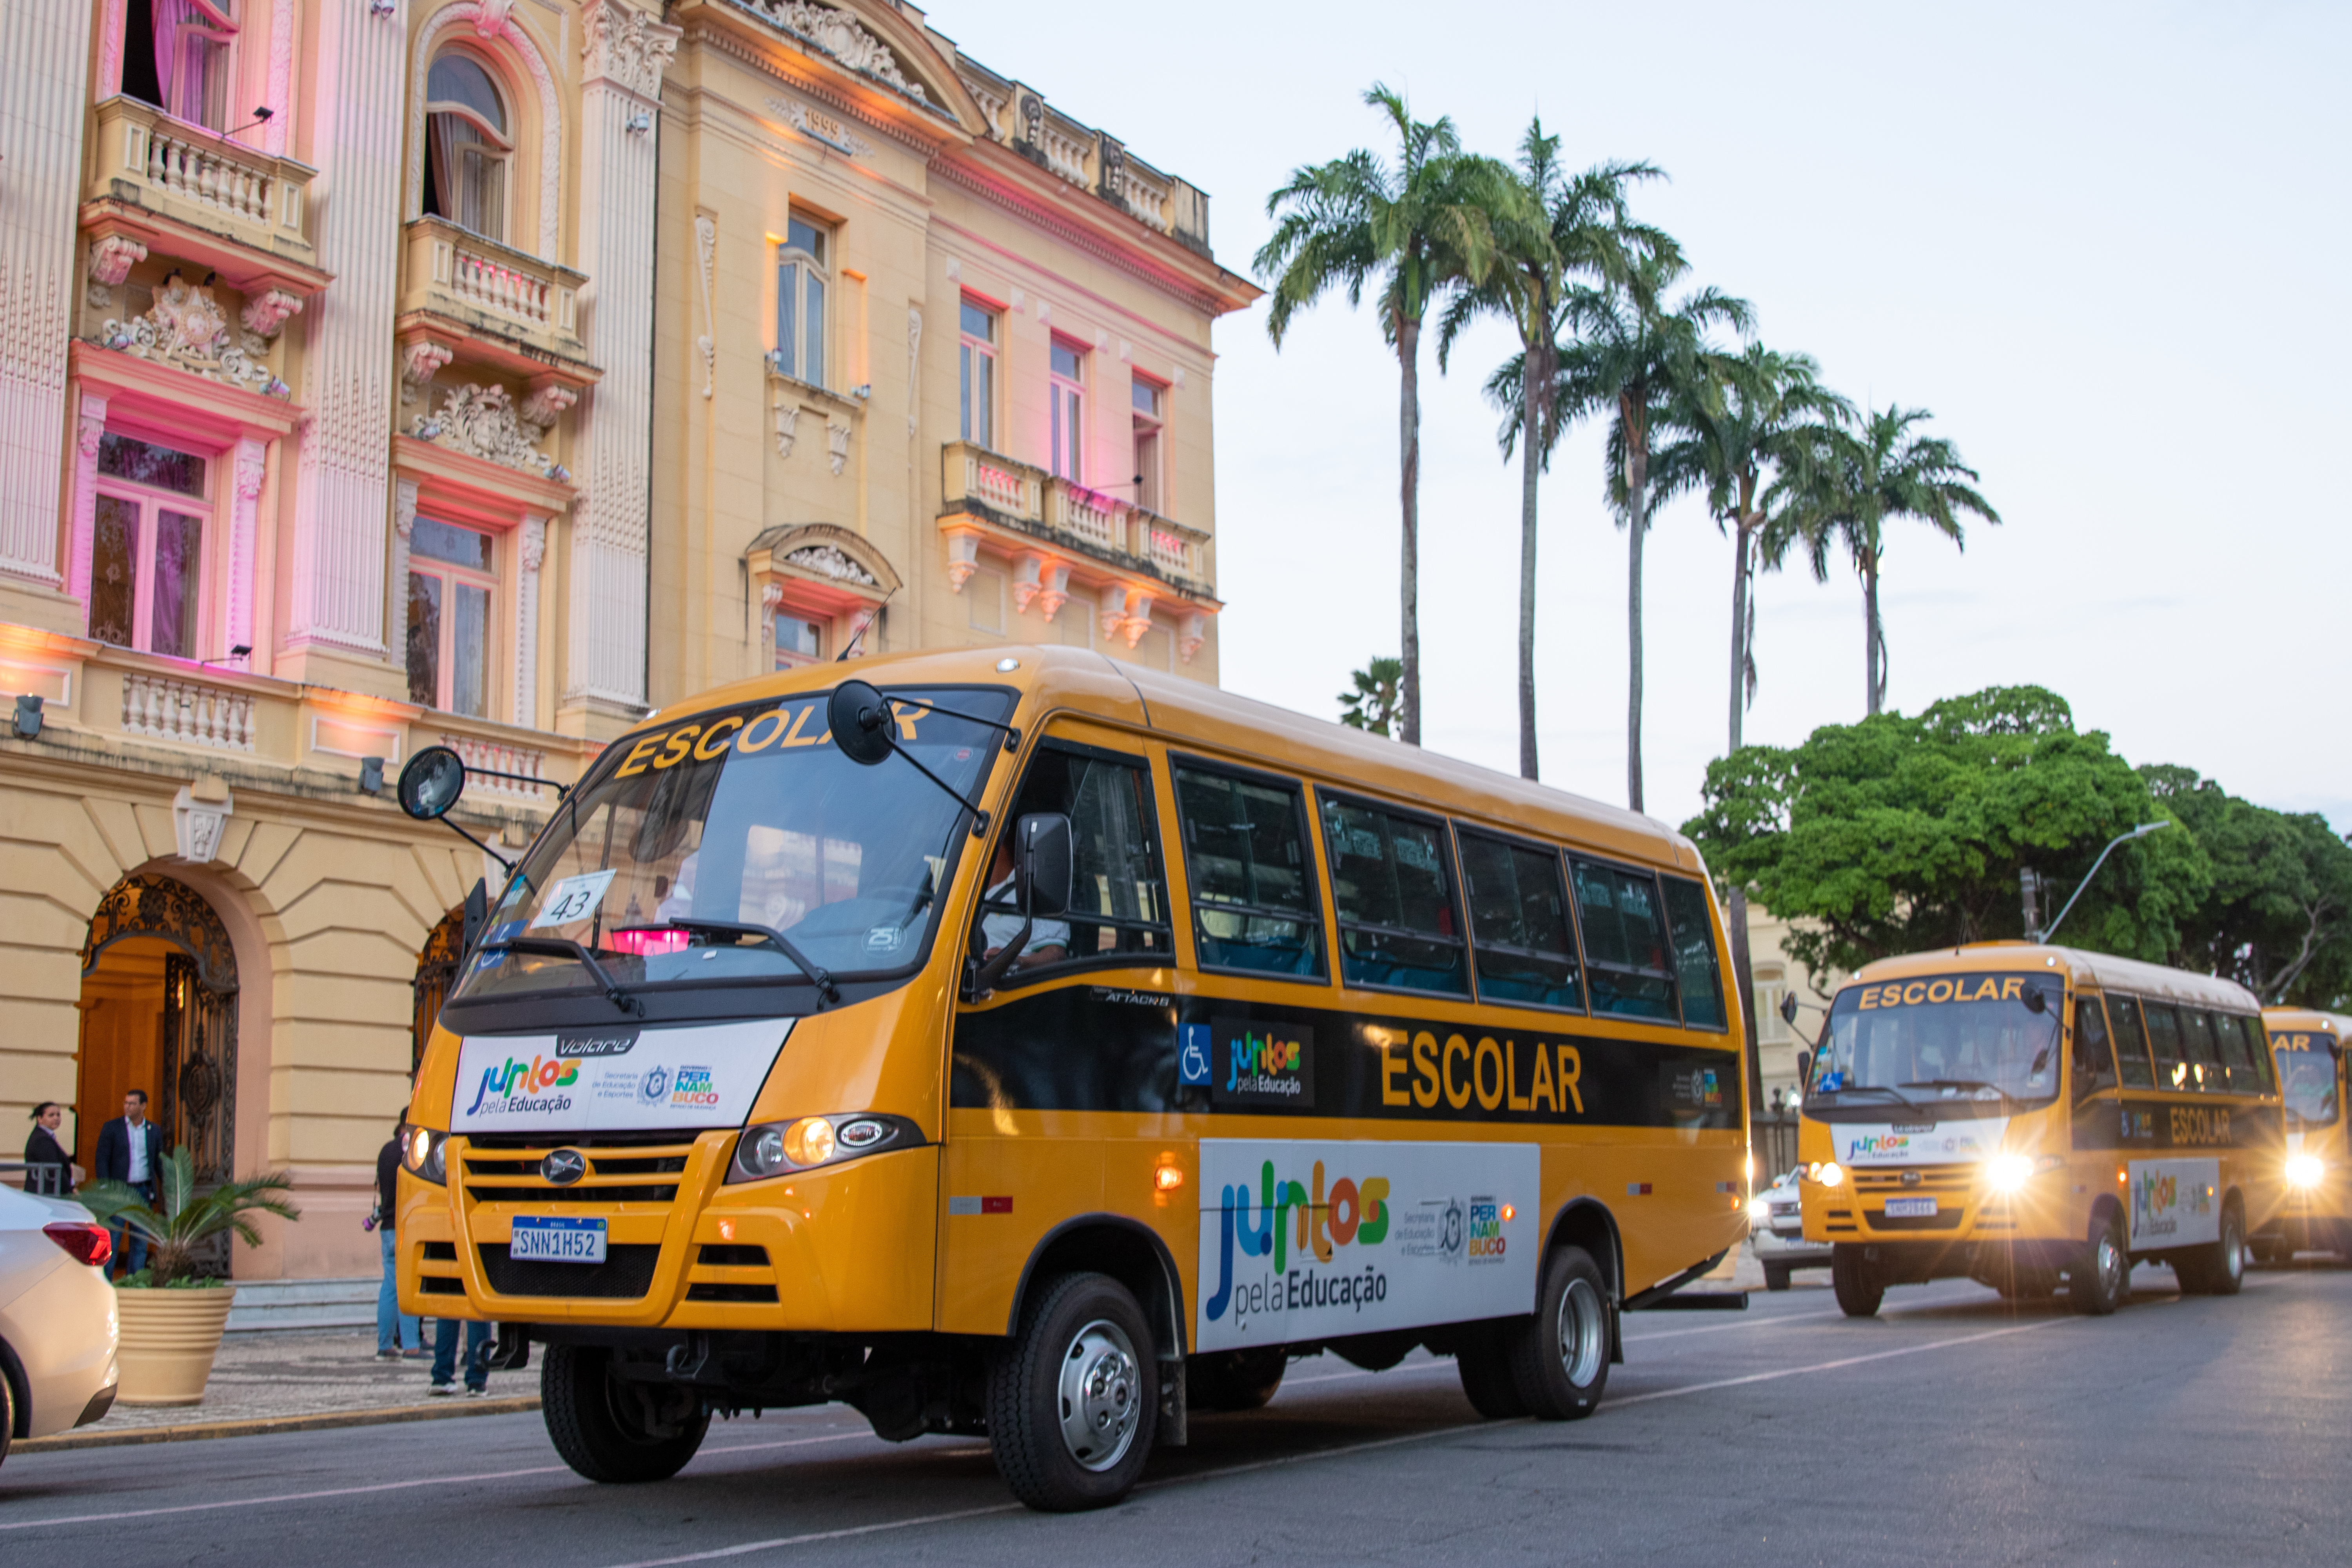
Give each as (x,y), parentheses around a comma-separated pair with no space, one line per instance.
(1067,1056)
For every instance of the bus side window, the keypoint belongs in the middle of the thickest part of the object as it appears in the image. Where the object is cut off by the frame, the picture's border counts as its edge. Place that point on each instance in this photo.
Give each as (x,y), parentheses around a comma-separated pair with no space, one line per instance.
(1692,935)
(1254,902)
(2095,1061)
(2205,1066)
(2243,1049)
(1393,888)
(1118,900)
(2165,1045)
(2131,1044)
(1625,946)
(1518,923)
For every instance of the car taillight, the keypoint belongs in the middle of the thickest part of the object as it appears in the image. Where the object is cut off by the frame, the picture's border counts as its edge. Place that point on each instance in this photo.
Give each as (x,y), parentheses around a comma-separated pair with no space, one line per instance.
(88,1243)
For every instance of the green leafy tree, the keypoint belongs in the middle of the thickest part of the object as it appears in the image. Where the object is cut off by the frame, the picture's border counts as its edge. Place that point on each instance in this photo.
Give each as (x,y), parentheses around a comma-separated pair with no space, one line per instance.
(1564,227)
(1374,703)
(1842,488)
(1902,835)
(1636,357)
(2278,916)
(177,1232)
(1414,228)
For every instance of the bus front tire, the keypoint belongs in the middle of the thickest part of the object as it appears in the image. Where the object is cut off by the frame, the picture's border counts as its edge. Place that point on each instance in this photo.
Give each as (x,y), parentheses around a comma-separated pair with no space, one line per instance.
(2219,1268)
(1074,1396)
(1776,1276)
(1856,1280)
(1560,1358)
(614,1432)
(1234,1380)
(2101,1278)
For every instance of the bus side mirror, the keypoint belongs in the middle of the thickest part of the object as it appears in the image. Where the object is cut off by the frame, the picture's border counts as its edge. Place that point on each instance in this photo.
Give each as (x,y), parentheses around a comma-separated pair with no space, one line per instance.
(1041,863)
(2035,1002)
(431,783)
(1787,1007)
(860,721)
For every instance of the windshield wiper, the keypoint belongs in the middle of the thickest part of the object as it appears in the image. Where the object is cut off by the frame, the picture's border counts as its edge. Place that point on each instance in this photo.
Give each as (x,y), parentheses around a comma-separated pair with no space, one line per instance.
(818,975)
(564,947)
(1960,1083)
(1896,1094)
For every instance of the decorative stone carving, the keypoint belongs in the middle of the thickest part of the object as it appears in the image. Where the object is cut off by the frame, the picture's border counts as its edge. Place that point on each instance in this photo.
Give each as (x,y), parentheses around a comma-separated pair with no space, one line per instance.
(964,560)
(544,406)
(404,509)
(1053,590)
(817,125)
(770,595)
(706,239)
(197,825)
(490,17)
(535,542)
(629,46)
(188,330)
(788,420)
(110,261)
(481,422)
(914,368)
(267,313)
(92,432)
(840,36)
(252,464)
(837,441)
(1138,620)
(419,363)
(829,561)
(1196,633)
(1033,118)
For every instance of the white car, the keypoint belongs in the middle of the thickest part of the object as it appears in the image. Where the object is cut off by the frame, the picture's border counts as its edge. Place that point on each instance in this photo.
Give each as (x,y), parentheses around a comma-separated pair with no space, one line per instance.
(1776,1230)
(58,1326)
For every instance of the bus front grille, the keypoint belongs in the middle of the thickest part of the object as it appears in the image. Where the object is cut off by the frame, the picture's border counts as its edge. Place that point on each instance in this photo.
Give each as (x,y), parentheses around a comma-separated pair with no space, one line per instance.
(627,1273)
(1945,1219)
(543,1194)
(1939,1179)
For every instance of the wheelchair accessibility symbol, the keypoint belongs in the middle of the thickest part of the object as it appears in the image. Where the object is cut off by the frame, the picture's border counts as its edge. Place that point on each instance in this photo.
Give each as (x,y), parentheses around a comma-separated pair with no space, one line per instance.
(1192,1054)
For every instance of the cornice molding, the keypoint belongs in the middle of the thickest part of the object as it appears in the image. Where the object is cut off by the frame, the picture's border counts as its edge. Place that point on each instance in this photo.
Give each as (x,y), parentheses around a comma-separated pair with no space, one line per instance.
(818,77)
(1022,204)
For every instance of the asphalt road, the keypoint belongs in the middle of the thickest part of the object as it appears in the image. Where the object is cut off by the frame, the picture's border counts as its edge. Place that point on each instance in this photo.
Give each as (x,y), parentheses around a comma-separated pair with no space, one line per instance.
(1954,1428)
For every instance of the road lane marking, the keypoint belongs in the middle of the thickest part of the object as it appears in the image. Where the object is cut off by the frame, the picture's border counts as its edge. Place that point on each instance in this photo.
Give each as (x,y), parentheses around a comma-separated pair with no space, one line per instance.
(1829,1365)
(1720,1327)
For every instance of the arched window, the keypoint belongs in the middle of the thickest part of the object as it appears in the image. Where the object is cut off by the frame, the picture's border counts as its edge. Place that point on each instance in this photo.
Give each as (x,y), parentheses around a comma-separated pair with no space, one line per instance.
(466,144)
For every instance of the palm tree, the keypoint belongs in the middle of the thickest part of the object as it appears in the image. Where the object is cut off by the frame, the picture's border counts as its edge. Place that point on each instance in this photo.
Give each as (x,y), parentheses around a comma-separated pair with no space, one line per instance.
(1419,227)
(1565,227)
(1373,704)
(1847,486)
(177,1232)
(1638,357)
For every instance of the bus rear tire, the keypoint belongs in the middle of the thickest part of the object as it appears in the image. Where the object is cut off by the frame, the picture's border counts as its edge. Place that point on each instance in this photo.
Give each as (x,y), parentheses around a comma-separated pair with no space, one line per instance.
(1776,1276)
(612,1432)
(2219,1268)
(1482,1356)
(2101,1278)
(1856,1280)
(1234,1380)
(1560,1358)
(1074,1396)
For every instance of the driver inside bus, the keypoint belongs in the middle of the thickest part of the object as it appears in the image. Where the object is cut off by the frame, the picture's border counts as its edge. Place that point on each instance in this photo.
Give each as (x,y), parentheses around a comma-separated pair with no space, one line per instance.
(1049,940)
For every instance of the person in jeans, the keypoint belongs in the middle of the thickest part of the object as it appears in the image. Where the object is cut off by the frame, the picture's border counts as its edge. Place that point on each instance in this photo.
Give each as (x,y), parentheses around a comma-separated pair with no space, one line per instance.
(477,1357)
(131,1149)
(397,1334)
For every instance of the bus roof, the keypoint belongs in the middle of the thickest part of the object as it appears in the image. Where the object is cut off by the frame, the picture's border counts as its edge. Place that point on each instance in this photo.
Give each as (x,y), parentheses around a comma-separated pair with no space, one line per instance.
(2106,970)
(1181,712)
(2334,1024)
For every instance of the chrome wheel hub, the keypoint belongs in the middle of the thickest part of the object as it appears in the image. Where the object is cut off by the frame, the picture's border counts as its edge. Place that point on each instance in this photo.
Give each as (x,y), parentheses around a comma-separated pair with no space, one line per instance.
(1101,1396)
(1584,1334)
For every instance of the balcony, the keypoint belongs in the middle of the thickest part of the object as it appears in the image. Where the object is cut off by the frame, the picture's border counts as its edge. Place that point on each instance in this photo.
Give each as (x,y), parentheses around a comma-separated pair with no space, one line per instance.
(180,188)
(1018,117)
(1017,509)
(486,303)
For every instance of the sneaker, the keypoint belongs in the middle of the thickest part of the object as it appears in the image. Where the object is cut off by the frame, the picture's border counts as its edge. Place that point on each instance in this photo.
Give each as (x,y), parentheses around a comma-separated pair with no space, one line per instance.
(442,1390)
(472,1392)
(387,1355)
(414,1355)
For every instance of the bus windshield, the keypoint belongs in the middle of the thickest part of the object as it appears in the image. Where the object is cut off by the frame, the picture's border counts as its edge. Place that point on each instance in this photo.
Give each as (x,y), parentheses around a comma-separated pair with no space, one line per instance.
(709,840)
(1950,1041)
(2307,1079)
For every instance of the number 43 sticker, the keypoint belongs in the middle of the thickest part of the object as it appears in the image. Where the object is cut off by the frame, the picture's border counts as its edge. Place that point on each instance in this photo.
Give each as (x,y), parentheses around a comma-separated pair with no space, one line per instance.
(573,899)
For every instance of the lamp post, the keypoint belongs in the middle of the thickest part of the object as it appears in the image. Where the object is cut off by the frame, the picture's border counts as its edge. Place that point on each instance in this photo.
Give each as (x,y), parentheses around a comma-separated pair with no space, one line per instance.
(2142,831)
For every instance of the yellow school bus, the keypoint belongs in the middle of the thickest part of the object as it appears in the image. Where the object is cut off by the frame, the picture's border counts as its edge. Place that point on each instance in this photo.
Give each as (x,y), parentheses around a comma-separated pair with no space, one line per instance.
(1018,1043)
(2027,1115)
(2317,1216)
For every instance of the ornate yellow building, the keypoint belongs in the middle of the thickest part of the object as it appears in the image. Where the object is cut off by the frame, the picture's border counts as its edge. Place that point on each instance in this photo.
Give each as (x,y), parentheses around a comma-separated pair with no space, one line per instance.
(526,363)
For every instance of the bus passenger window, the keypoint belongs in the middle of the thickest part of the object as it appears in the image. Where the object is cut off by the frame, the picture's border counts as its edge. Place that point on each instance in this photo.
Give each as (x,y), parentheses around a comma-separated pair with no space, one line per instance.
(2165,1044)
(2205,1069)
(1694,943)
(2095,1061)
(2237,1054)
(2257,1068)
(1624,949)
(1253,903)
(1518,923)
(2131,1044)
(1395,900)
(1119,902)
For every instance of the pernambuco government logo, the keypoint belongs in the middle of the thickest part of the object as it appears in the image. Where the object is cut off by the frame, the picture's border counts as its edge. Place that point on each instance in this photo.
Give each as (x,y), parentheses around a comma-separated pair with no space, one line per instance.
(653,1087)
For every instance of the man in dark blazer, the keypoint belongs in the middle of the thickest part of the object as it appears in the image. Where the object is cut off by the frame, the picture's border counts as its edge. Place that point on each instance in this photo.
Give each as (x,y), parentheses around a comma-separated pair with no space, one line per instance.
(131,1149)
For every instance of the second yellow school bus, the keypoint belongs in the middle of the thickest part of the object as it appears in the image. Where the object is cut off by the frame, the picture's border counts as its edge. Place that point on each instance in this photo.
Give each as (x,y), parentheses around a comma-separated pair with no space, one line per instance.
(2317,1215)
(2029,1116)
(1030,1045)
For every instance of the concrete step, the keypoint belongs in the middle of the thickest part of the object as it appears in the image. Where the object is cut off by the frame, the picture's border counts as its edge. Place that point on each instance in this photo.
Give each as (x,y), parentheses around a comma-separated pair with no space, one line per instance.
(266,1304)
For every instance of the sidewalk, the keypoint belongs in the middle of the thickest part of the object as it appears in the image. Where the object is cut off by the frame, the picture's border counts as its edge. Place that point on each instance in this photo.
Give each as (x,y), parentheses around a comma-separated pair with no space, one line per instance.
(290,1381)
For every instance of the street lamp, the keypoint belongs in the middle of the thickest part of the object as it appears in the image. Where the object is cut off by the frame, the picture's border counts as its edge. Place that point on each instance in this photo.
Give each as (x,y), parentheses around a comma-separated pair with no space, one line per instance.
(2142,831)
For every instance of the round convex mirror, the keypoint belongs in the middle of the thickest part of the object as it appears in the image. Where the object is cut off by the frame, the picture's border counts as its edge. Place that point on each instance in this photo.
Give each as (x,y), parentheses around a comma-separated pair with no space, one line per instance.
(431,783)
(860,721)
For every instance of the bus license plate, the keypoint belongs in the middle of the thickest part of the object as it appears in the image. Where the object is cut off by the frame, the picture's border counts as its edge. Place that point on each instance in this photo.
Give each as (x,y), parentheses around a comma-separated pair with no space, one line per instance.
(1910,1208)
(558,1241)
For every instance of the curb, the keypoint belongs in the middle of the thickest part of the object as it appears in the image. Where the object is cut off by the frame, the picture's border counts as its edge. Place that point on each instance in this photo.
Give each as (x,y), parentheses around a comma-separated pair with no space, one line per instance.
(260,1426)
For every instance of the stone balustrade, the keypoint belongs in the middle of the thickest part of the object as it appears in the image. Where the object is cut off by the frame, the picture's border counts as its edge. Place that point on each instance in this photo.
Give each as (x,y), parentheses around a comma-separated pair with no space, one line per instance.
(1019,117)
(190,712)
(483,285)
(1029,501)
(147,159)
(479,753)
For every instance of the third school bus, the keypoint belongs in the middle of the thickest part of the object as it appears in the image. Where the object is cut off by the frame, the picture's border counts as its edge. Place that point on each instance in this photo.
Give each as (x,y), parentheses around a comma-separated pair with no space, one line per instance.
(2317,1214)
(2029,1116)
(1028,1045)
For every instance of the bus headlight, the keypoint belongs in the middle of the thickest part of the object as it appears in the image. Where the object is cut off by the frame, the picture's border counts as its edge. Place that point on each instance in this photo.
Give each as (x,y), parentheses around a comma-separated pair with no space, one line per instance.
(1829,1173)
(780,1148)
(2008,1173)
(2305,1169)
(1759,1211)
(422,1150)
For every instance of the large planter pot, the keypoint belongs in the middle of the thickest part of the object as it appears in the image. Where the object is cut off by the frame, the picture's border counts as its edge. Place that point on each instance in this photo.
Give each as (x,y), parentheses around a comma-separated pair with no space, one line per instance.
(168,1340)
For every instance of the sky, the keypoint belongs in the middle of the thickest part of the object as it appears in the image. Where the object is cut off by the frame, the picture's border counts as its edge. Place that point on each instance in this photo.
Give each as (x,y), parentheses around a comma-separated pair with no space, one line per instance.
(2102,243)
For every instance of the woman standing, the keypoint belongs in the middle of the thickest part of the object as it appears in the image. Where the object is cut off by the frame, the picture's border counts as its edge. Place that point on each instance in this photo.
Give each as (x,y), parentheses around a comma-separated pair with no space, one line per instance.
(41,1148)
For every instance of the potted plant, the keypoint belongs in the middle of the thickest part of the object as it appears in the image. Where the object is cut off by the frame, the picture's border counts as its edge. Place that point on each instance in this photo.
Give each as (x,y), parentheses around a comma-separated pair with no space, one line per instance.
(171,1316)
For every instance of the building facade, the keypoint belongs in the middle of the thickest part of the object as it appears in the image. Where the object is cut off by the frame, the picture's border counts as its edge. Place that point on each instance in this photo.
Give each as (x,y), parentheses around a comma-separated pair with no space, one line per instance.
(382,373)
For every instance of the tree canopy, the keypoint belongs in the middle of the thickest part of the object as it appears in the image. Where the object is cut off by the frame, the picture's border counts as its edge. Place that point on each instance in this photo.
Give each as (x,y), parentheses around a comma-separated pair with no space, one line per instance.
(1904,833)
(2278,916)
